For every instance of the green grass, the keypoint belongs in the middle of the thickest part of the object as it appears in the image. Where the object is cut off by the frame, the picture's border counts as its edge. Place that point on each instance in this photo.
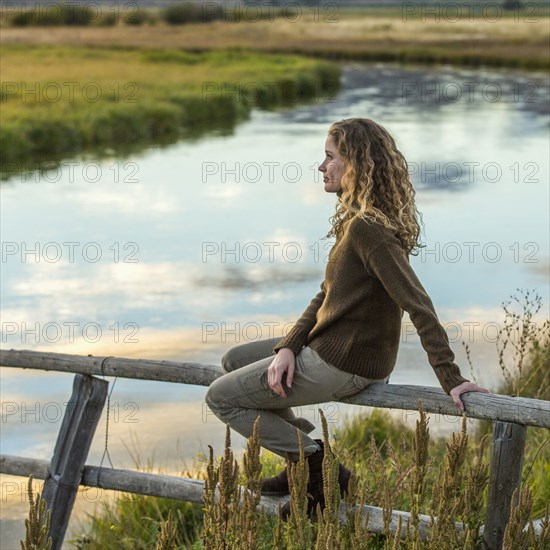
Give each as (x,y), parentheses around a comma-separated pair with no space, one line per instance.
(133,523)
(59,101)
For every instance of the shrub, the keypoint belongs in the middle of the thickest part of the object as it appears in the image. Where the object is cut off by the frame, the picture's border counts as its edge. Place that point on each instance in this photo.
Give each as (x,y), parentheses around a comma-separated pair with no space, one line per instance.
(109,19)
(137,17)
(58,14)
(23,19)
(180,14)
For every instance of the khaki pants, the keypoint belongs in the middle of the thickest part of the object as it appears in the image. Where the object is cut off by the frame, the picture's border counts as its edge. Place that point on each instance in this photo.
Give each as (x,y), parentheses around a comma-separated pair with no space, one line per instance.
(242,394)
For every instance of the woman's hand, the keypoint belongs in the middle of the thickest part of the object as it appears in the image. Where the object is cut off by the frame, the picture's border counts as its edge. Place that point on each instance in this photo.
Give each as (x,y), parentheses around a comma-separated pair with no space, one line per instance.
(283,362)
(457,391)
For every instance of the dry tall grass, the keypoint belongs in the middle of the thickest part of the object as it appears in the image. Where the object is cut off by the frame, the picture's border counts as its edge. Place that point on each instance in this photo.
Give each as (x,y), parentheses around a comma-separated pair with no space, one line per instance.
(37,525)
(454,501)
(393,467)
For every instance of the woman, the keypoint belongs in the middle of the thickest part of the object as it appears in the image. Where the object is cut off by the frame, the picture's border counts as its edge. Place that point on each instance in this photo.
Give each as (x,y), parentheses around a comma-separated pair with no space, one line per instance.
(348,336)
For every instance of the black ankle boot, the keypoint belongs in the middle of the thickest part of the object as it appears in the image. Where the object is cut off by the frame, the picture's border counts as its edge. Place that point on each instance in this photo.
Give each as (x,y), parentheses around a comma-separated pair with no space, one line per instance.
(276,486)
(343,473)
(314,491)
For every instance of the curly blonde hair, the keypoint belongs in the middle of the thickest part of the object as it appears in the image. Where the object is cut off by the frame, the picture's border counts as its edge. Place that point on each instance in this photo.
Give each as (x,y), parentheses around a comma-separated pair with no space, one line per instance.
(375,183)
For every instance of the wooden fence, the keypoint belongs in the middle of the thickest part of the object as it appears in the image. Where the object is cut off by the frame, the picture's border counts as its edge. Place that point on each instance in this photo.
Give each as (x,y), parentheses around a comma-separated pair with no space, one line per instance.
(67,469)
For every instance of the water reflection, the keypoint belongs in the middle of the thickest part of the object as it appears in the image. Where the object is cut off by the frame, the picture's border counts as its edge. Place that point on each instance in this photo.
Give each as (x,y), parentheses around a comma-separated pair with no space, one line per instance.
(219,240)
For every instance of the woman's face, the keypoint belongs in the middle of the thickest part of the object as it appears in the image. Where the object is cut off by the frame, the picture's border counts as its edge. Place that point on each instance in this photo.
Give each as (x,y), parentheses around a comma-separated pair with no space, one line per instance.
(332,167)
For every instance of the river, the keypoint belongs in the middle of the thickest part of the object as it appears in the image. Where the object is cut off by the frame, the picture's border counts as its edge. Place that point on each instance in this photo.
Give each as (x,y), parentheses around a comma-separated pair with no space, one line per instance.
(182,251)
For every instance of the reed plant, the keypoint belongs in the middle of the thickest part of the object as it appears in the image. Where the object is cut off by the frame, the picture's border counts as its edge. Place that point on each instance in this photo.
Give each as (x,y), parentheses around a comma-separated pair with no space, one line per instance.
(445,499)
(167,536)
(441,484)
(298,531)
(231,498)
(37,524)
(523,348)
(446,503)
(520,531)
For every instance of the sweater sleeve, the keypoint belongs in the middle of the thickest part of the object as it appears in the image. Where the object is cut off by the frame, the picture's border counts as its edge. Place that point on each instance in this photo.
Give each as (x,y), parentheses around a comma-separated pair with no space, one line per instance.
(297,336)
(389,263)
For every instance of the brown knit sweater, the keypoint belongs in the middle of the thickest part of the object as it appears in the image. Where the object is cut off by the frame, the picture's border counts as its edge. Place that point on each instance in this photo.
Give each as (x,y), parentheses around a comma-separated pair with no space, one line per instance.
(354,322)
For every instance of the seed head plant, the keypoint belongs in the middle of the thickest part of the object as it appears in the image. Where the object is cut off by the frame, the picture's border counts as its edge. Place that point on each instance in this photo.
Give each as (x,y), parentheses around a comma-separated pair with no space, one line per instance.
(37,525)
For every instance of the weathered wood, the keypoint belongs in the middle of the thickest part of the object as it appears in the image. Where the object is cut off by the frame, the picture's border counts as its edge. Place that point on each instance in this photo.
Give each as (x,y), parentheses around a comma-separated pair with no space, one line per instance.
(71,449)
(139,369)
(487,406)
(192,490)
(520,410)
(504,477)
(140,483)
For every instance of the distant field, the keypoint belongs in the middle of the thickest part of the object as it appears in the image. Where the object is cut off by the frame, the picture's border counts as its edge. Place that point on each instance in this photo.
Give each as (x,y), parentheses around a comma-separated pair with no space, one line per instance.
(514,40)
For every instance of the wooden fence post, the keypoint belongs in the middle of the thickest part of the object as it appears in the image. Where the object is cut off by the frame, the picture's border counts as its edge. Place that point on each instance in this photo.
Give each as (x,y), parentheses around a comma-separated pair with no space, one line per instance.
(71,449)
(504,477)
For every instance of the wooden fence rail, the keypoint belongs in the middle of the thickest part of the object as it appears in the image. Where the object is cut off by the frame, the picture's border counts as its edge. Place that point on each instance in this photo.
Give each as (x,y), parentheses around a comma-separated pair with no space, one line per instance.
(519,410)
(67,470)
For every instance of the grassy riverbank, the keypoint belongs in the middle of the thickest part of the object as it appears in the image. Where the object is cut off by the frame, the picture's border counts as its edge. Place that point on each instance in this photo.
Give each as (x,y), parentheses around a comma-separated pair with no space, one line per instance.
(69,89)
(62,100)
(505,39)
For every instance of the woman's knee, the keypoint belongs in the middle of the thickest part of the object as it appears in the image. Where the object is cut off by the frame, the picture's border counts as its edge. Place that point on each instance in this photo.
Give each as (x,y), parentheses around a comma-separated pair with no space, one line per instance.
(239,356)
(229,360)
(214,393)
